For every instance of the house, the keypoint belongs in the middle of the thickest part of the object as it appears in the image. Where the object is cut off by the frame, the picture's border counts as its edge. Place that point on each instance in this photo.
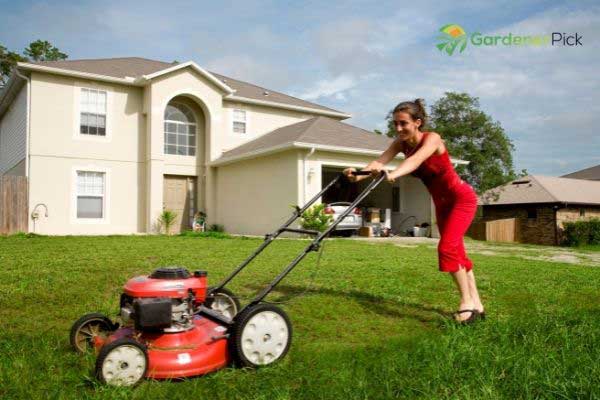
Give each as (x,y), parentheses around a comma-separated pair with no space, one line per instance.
(108,144)
(541,205)
(591,173)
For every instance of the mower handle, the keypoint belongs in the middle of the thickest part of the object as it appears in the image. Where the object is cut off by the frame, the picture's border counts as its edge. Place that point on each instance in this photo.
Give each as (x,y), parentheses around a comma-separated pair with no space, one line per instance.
(357,173)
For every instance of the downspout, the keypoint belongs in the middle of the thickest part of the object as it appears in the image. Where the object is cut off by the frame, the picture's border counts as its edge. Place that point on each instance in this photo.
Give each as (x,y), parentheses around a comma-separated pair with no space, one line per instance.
(305,173)
(27,139)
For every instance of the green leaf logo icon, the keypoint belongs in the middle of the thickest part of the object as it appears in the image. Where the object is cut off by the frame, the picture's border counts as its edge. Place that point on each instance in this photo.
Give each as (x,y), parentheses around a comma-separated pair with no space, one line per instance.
(452,36)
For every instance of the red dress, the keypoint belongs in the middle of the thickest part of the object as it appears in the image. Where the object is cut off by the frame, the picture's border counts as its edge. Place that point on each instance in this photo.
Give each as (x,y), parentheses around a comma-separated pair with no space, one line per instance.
(455,206)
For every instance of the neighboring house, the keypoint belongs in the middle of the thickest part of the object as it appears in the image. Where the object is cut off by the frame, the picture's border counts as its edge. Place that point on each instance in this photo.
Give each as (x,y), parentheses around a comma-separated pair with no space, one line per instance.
(542,204)
(591,173)
(108,144)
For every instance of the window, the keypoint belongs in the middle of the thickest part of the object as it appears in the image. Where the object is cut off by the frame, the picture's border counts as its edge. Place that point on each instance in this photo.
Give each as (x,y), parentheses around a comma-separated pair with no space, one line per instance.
(180,130)
(90,194)
(531,213)
(93,112)
(582,212)
(239,121)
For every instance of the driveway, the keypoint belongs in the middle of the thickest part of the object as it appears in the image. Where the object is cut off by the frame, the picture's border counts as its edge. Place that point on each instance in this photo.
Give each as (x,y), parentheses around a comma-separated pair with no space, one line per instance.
(524,251)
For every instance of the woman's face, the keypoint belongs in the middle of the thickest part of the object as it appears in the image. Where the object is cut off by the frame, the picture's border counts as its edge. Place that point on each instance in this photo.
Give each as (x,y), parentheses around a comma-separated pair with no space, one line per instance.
(405,125)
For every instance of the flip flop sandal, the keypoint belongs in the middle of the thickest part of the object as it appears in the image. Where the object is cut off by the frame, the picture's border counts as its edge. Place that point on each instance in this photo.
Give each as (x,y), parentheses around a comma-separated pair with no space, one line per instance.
(474,316)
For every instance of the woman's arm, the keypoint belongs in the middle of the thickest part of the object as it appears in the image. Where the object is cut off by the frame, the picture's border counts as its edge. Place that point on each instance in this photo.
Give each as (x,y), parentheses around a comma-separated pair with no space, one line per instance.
(430,145)
(377,165)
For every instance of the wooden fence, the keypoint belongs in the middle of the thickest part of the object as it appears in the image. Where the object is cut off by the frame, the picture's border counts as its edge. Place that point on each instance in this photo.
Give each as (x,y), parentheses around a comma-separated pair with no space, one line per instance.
(13,204)
(500,230)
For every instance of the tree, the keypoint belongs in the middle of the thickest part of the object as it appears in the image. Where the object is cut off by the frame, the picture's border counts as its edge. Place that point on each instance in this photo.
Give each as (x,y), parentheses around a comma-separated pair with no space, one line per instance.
(40,50)
(8,59)
(472,135)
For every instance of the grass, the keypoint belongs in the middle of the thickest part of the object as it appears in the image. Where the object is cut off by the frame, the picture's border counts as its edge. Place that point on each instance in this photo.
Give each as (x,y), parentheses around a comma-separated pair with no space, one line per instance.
(370,323)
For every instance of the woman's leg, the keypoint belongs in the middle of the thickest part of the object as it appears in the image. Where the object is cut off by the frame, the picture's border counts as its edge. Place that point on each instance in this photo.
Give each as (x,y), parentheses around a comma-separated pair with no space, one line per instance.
(473,292)
(452,255)
(464,288)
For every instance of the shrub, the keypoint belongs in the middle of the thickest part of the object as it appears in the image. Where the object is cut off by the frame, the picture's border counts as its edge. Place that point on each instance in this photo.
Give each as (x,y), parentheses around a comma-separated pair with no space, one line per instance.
(580,233)
(166,220)
(315,218)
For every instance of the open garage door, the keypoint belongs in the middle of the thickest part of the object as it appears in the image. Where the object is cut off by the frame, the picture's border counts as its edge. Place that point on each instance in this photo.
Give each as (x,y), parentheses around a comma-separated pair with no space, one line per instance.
(407,201)
(344,191)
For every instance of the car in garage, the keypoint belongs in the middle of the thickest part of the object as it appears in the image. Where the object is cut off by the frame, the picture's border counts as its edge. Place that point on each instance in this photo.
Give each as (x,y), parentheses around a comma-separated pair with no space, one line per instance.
(350,224)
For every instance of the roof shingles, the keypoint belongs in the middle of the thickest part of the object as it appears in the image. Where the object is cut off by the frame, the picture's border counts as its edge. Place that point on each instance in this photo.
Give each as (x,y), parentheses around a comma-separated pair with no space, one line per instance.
(318,131)
(135,67)
(544,189)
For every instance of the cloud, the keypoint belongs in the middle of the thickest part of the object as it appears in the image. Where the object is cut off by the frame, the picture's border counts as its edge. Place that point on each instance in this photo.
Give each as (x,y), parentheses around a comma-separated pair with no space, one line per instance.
(545,98)
(329,87)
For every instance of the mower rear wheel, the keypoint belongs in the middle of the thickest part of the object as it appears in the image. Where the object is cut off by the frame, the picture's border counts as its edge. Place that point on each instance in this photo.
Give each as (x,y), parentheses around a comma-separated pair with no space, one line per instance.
(223,301)
(123,362)
(261,335)
(86,328)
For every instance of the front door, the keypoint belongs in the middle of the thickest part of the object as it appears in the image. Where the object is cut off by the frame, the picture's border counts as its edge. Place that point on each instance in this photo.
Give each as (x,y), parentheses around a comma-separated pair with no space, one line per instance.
(179,196)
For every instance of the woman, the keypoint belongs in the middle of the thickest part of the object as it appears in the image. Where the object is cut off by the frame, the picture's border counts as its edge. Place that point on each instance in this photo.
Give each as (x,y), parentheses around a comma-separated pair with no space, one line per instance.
(455,201)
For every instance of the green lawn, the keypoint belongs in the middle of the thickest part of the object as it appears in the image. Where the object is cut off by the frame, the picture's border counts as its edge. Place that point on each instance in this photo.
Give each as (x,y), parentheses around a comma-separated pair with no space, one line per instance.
(372,323)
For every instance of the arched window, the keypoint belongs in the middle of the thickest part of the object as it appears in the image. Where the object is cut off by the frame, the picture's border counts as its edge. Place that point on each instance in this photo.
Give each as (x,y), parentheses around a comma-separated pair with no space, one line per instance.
(180,130)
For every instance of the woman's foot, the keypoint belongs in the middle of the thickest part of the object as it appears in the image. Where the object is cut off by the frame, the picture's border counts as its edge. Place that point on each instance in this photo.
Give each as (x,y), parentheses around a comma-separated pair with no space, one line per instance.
(479,308)
(465,312)
(466,316)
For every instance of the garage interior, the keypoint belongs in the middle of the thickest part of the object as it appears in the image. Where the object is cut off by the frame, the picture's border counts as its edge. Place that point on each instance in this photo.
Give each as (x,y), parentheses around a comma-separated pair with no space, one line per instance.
(402,206)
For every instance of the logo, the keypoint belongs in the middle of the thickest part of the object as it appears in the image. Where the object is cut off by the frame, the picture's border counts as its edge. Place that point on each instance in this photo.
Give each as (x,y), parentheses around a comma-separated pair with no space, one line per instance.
(452,36)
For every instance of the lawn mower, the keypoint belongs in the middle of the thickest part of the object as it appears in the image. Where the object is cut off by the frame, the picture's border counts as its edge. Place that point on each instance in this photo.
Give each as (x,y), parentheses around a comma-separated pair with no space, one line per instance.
(172,325)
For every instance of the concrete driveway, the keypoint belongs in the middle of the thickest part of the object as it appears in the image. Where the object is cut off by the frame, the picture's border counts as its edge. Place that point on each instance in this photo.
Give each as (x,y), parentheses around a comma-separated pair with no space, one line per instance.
(525,251)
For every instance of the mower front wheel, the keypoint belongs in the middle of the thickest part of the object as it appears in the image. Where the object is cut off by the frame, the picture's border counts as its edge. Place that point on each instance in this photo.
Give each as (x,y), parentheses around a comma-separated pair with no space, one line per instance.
(223,301)
(123,362)
(261,335)
(86,328)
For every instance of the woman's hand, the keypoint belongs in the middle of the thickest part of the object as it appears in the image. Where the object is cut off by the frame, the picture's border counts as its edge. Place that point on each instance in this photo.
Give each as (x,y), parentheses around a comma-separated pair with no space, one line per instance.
(376,170)
(348,173)
(389,176)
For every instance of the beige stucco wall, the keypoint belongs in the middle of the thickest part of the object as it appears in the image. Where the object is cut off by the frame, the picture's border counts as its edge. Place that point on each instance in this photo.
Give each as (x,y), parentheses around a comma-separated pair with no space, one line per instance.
(208,99)
(56,151)
(124,192)
(254,196)
(260,120)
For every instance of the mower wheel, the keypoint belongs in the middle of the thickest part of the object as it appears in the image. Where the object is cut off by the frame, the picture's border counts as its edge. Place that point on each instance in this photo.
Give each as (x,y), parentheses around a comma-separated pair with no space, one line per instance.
(261,335)
(123,362)
(86,328)
(223,301)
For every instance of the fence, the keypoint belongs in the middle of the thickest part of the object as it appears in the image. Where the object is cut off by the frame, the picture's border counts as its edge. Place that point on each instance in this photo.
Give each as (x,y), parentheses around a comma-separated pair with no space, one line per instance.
(500,230)
(13,204)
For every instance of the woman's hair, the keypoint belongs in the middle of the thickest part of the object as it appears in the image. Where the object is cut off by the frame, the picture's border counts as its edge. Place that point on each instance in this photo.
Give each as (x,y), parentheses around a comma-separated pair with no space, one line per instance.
(416,109)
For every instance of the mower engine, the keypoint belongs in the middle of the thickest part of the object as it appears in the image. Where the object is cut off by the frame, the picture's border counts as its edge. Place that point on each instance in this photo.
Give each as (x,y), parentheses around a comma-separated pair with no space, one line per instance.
(164,301)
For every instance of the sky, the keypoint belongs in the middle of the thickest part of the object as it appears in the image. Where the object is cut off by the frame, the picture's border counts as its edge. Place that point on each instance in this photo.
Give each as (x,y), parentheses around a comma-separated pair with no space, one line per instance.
(361,57)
